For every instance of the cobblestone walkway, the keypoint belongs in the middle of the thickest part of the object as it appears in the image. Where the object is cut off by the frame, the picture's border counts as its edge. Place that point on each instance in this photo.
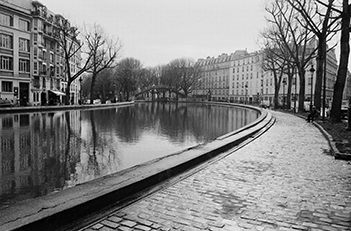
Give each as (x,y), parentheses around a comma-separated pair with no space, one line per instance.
(284,180)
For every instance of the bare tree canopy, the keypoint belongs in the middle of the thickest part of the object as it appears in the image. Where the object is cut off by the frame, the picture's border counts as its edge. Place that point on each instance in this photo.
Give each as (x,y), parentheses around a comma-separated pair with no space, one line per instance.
(71,51)
(103,50)
(128,72)
(320,18)
(290,43)
(184,73)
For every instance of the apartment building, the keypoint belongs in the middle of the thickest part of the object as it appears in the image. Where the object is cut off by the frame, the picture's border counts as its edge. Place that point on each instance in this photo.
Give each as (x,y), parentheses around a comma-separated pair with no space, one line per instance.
(32,69)
(239,77)
(15,52)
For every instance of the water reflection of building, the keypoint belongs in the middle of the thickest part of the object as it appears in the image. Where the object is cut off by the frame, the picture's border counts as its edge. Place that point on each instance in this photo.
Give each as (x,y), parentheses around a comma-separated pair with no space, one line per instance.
(38,153)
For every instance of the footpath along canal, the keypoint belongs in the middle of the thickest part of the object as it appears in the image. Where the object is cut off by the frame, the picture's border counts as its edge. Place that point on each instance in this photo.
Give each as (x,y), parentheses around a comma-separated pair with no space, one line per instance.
(283,180)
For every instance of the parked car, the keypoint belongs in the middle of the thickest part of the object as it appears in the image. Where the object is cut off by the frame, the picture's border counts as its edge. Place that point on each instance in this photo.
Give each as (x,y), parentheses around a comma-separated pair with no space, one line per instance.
(97,101)
(5,103)
(265,103)
(344,108)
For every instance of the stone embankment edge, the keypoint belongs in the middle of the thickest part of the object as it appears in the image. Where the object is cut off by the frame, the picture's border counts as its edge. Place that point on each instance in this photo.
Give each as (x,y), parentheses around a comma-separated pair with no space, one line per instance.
(55,211)
(7,110)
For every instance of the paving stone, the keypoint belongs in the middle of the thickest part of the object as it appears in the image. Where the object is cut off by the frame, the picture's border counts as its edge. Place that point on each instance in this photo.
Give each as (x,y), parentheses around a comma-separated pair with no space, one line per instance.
(97,226)
(142,227)
(109,224)
(283,180)
(128,223)
(124,228)
(106,229)
(115,219)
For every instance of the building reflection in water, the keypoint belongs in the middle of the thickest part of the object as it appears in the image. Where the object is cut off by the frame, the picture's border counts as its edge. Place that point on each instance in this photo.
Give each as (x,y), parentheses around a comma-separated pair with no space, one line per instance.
(43,152)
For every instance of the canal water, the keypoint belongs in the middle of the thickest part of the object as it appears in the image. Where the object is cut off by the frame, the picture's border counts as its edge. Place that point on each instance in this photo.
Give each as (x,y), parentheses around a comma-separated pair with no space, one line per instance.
(45,152)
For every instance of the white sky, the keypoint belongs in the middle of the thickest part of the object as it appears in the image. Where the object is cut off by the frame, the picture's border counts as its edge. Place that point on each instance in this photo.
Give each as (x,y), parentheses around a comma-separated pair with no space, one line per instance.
(158,31)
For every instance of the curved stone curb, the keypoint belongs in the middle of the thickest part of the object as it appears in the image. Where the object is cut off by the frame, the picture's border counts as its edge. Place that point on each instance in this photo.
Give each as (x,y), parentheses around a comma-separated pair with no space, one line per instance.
(57,210)
(334,151)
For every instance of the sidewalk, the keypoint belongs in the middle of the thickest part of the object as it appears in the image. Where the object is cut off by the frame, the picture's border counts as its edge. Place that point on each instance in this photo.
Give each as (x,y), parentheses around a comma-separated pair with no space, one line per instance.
(284,180)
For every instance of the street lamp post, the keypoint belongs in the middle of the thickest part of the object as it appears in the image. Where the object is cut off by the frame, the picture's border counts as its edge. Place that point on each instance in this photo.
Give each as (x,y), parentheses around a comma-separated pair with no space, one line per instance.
(80,90)
(312,71)
(245,93)
(284,83)
(295,77)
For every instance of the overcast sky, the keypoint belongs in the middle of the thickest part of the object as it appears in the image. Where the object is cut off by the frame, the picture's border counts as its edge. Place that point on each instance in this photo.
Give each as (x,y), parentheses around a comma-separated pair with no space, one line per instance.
(158,31)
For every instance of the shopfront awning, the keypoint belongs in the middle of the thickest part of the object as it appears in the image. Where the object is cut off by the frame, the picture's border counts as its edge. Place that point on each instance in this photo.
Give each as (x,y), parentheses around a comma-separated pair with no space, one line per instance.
(57,92)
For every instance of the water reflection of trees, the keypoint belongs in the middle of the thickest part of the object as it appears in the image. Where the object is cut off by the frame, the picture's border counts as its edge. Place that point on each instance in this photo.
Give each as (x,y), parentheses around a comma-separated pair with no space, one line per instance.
(99,145)
(181,120)
(44,152)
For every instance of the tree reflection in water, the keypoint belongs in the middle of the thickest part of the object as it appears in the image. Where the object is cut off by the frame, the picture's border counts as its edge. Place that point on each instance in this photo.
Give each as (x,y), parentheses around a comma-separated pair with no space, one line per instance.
(43,152)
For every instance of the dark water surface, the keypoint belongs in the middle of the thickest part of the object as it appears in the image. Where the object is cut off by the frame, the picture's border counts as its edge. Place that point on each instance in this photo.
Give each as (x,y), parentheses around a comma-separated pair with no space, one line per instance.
(44,152)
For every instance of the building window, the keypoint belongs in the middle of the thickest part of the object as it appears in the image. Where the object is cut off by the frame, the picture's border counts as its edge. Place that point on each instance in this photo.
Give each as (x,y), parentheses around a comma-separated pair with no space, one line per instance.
(35,66)
(6,63)
(24,25)
(24,65)
(6,20)
(6,86)
(51,57)
(43,71)
(6,41)
(23,45)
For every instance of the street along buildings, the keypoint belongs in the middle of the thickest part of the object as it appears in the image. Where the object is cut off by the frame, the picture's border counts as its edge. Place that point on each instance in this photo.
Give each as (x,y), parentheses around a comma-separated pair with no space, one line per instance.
(32,68)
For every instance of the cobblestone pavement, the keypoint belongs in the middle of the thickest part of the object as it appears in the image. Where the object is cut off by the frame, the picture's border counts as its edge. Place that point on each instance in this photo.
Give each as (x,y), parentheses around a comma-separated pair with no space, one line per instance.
(284,180)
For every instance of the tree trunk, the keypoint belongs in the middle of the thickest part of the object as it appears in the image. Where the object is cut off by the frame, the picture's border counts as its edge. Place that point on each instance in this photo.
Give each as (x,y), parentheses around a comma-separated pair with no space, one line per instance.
(68,92)
(335,114)
(302,89)
(319,72)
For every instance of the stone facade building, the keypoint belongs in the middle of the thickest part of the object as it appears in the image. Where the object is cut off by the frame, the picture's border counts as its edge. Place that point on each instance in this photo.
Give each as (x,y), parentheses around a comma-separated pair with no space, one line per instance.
(32,70)
(239,77)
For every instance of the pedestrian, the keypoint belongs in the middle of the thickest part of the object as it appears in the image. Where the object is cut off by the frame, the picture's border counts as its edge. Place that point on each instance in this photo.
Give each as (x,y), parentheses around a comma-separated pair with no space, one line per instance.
(313,113)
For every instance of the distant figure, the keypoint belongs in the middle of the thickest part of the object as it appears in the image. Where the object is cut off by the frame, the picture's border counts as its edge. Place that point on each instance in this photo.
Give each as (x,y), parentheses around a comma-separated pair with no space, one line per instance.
(314,113)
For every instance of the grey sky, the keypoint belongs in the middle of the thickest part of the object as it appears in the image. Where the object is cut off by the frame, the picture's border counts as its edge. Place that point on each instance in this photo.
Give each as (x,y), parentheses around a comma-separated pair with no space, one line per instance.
(158,31)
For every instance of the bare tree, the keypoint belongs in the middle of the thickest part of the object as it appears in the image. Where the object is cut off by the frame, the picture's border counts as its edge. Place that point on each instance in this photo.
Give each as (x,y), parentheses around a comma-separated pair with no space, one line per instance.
(185,73)
(293,43)
(105,85)
(71,47)
(335,113)
(148,77)
(104,52)
(319,19)
(128,73)
(275,65)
